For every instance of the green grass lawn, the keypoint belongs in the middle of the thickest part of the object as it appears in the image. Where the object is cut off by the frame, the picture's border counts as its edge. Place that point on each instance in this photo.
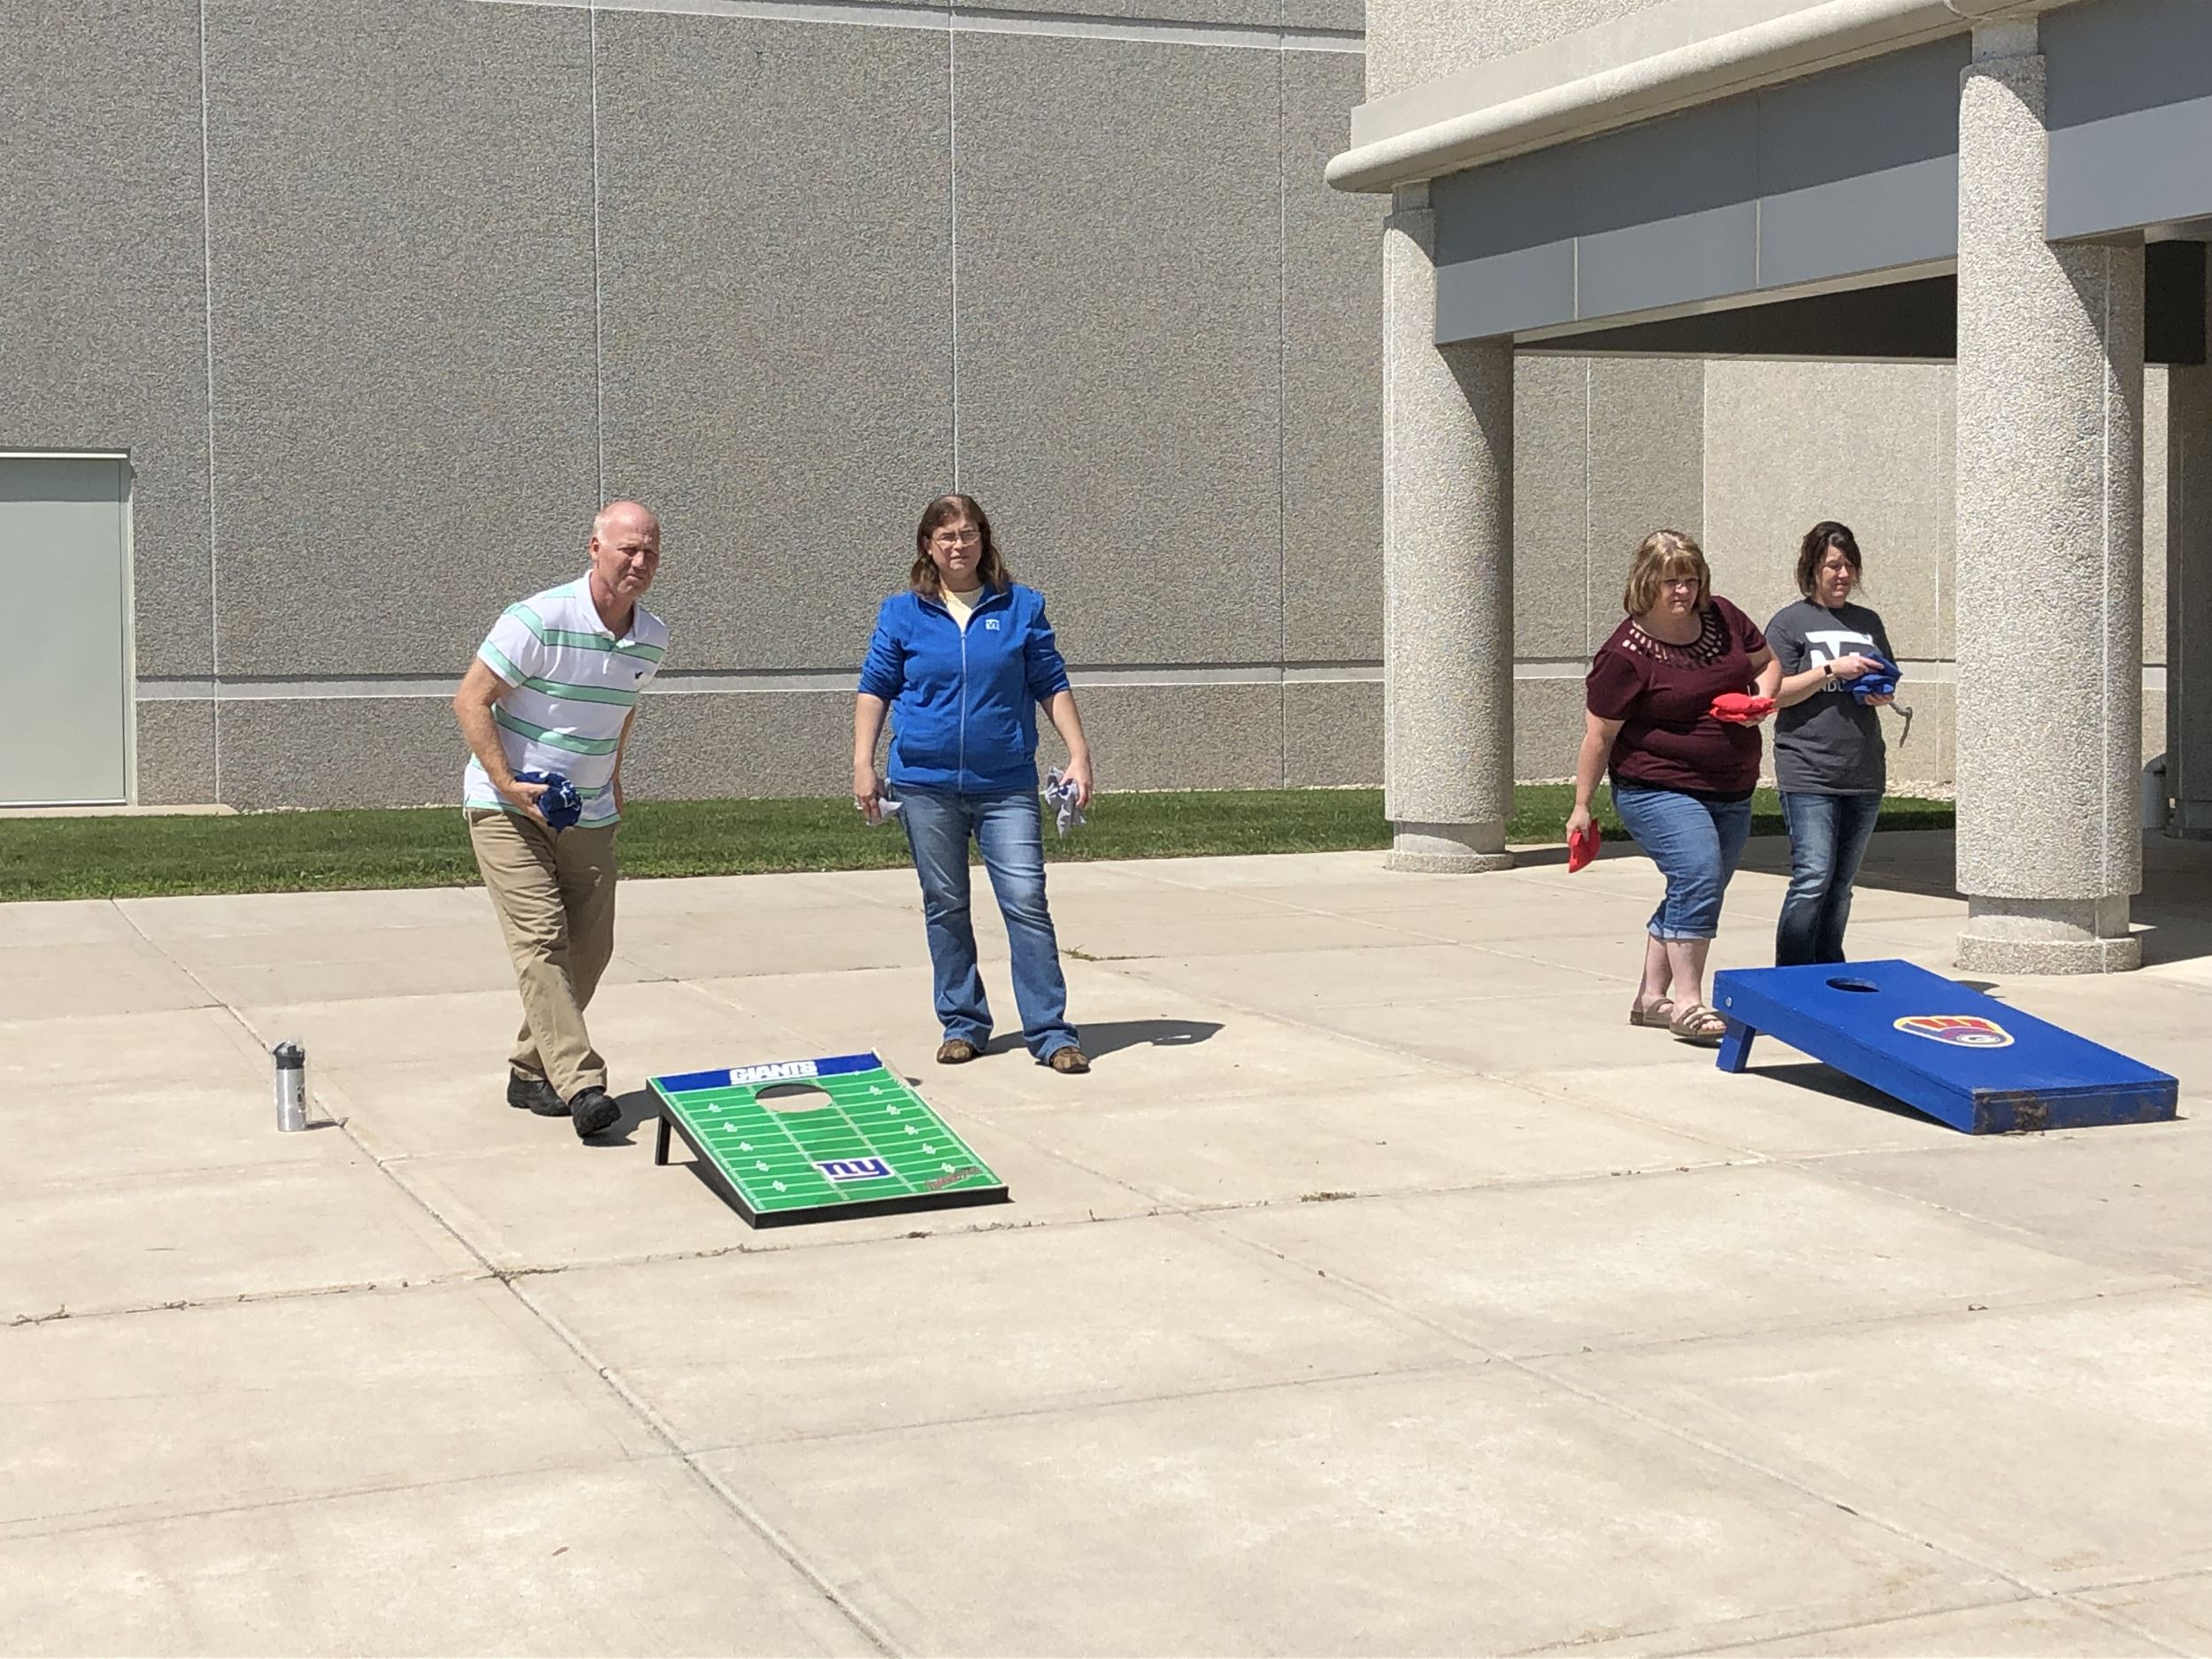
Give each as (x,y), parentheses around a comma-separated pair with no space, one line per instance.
(289,852)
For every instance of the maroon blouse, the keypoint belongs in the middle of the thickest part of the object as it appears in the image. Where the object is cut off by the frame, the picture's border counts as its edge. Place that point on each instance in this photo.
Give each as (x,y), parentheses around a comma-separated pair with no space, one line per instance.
(1661,693)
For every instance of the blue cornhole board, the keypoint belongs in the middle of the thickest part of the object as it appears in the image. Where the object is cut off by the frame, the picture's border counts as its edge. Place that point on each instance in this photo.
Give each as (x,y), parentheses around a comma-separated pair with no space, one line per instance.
(1939,1046)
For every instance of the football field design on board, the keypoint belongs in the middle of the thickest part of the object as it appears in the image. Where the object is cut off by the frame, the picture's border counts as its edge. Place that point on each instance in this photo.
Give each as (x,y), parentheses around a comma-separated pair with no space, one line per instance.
(809,1139)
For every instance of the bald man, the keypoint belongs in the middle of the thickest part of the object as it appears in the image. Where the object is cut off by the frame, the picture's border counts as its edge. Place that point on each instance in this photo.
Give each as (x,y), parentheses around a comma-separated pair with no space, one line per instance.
(554,689)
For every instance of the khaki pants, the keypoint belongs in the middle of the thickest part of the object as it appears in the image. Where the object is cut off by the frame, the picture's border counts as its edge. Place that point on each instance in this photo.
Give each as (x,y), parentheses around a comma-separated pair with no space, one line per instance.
(554,896)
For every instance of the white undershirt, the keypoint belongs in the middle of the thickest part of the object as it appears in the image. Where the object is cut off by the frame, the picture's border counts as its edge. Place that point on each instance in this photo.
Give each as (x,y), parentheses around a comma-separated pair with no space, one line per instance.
(963,605)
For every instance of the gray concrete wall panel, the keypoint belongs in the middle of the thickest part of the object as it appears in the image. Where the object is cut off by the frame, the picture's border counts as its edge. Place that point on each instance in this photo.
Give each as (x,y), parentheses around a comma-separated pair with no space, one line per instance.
(1646,470)
(1787,445)
(1120,336)
(404,383)
(776,330)
(1325,14)
(1551,507)
(1176,737)
(696,746)
(175,743)
(1266,14)
(1546,728)
(1331,481)
(103,333)
(1412,40)
(318,751)
(1332,735)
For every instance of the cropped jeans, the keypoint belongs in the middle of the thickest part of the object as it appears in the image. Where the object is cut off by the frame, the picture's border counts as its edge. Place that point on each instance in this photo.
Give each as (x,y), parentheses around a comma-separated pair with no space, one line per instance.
(1005,828)
(1695,843)
(1828,838)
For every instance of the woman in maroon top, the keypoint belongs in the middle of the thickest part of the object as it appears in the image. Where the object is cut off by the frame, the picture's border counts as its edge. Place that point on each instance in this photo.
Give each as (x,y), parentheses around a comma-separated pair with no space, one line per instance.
(1682,780)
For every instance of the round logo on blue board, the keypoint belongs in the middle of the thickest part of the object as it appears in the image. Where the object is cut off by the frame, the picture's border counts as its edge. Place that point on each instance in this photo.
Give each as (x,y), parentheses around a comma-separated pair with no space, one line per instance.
(1964,1030)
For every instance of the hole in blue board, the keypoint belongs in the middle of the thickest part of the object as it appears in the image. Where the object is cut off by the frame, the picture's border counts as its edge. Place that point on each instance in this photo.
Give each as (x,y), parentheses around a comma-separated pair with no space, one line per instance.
(1852,985)
(794,1097)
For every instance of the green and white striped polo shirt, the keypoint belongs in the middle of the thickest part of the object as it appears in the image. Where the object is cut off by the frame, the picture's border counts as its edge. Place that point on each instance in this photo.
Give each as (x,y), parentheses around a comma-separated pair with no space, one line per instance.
(573,685)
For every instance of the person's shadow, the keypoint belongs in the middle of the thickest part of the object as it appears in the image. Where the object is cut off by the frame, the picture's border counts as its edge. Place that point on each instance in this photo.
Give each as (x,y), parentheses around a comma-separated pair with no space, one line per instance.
(1099,1037)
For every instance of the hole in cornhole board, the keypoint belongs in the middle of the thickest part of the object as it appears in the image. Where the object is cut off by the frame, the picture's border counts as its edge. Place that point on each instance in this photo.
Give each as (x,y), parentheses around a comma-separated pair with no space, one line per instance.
(1852,985)
(794,1097)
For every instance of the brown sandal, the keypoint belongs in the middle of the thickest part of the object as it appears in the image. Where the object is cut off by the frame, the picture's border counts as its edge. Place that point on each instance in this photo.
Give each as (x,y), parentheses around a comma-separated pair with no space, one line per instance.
(1698,1024)
(1657,1014)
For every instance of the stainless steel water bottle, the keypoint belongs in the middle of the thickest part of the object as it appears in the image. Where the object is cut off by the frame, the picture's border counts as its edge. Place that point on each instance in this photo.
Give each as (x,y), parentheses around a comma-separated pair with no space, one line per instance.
(291,1085)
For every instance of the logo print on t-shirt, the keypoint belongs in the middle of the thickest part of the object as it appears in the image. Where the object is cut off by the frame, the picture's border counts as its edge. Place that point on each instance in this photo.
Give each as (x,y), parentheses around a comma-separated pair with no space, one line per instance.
(1826,645)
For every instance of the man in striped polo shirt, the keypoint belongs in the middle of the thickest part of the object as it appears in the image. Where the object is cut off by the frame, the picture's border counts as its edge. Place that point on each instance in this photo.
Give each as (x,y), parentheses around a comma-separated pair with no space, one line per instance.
(554,689)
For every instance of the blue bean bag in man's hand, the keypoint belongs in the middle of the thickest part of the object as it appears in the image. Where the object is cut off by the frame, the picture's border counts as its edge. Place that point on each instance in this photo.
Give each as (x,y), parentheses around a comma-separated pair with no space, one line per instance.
(1879,681)
(560,805)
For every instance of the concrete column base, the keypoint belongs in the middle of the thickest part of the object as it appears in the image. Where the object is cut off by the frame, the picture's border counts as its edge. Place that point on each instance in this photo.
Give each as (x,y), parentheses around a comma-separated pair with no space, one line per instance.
(2048,936)
(1449,848)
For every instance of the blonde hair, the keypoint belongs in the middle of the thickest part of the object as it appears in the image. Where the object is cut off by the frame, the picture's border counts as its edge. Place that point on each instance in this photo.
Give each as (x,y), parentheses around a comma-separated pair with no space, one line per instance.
(1665,554)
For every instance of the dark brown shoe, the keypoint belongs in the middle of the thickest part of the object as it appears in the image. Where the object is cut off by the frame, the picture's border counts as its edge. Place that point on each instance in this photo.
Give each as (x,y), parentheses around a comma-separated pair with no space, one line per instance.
(957,1051)
(1070,1059)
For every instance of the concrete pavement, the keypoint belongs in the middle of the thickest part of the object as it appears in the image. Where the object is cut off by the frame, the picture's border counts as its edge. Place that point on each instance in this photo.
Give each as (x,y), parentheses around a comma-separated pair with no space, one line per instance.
(1381,1291)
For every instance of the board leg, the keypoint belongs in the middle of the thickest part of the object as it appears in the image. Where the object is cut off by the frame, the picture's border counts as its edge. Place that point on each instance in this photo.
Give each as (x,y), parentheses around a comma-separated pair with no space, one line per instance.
(660,1142)
(1735,1047)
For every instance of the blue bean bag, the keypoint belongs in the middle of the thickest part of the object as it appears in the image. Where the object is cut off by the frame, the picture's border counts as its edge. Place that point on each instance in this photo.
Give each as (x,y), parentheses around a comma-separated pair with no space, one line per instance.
(560,805)
(1879,681)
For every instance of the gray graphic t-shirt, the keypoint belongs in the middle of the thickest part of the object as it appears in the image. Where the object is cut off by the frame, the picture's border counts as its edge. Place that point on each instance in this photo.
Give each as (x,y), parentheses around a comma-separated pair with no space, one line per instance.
(1831,744)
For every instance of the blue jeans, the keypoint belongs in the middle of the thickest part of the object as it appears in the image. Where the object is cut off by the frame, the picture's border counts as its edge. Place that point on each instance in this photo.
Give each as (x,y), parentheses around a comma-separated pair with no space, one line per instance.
(1696,844)
(1828,837)
(1005,828)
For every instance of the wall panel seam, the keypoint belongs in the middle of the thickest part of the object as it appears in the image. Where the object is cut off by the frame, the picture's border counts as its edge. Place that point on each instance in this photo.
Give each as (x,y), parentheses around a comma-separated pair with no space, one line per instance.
(207,317)
(920,14)
(598,285)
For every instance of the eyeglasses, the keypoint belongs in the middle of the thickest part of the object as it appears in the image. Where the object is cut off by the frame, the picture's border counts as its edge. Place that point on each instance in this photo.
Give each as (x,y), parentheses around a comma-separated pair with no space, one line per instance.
(955,537)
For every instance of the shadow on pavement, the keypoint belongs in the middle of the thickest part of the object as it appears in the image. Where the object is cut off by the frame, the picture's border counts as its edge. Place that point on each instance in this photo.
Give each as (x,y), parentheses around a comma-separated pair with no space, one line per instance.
(1104,1037)
(1825,1079)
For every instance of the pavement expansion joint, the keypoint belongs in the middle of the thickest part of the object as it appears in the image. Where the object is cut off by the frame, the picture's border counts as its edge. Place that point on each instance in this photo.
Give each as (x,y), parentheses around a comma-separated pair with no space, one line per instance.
(236,1298)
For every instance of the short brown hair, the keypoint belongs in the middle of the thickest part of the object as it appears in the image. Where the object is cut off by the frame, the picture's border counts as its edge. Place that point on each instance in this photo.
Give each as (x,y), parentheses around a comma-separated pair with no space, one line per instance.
(991,568)
(1664,554)
(1814,553)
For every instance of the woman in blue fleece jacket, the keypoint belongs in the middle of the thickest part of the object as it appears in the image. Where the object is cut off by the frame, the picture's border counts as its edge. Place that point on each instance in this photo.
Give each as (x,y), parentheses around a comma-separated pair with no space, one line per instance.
(961,660)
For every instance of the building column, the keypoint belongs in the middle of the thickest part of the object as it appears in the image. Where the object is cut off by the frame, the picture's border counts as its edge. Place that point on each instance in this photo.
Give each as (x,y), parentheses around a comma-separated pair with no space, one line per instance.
(1448,568)
(2050,533)
(2189,594)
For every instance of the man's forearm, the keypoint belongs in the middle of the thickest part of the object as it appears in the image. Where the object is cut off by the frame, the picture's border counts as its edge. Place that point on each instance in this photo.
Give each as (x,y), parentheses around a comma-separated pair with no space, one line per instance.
(482,734)
(621,747)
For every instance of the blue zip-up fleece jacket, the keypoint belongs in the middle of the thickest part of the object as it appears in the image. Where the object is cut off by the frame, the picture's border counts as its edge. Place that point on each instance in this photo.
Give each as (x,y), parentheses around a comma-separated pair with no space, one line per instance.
(964,704)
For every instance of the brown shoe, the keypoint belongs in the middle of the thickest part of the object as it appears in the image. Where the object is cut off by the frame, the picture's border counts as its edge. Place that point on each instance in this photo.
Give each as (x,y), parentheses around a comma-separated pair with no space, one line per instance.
(1070,1059)
(957,1051)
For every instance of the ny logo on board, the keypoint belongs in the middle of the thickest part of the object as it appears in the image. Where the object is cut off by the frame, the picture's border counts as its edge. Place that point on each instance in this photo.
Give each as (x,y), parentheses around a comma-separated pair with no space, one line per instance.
(855,1169)
(1967,1030)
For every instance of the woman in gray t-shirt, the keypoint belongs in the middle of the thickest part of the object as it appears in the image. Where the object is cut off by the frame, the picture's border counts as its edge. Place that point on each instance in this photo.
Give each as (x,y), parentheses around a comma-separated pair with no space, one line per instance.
(1828,751)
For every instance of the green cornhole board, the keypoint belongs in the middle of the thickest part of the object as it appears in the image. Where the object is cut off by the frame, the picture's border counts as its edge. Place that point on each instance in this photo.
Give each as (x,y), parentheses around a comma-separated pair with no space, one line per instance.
(873,1148)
